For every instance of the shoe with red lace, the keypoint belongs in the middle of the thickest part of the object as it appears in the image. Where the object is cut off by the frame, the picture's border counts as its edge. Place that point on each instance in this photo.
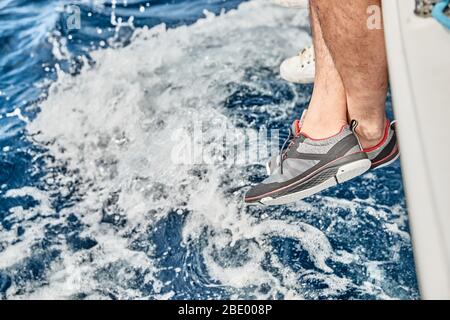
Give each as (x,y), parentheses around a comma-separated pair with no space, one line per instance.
(381,155)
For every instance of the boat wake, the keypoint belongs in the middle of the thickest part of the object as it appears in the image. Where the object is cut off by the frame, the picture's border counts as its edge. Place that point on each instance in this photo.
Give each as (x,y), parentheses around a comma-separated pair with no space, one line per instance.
(115,217)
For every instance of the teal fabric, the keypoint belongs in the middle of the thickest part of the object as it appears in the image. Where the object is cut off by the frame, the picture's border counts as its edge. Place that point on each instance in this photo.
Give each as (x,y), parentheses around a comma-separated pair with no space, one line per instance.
(439,13)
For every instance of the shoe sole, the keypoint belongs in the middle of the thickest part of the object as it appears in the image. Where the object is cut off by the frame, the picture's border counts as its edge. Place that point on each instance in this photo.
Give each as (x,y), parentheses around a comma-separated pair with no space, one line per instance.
(386,164)
(291,5)
(305,80)
(331,177)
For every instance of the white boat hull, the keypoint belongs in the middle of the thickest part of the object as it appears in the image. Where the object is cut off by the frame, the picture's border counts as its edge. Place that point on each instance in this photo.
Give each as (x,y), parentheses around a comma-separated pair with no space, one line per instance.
(419,62)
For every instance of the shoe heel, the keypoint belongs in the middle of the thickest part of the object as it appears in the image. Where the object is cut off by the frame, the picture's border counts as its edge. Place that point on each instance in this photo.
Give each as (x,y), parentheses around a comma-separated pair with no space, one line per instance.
(352,170)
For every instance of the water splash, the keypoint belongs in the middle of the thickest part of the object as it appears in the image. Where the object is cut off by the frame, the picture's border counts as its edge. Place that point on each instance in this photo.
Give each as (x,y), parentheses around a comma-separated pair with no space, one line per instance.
(113,218)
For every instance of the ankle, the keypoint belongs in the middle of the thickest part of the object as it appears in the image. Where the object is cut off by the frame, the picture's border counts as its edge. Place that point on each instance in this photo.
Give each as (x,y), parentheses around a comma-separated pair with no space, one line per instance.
(321,128)
(370,136)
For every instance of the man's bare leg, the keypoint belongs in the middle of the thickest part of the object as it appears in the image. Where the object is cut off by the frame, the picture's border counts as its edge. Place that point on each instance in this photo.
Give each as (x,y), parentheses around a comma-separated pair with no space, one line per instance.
(359,55)
(327,112)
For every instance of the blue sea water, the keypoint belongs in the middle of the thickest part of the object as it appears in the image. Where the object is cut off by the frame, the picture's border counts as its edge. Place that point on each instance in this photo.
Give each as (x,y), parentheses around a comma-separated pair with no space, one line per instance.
(90,206)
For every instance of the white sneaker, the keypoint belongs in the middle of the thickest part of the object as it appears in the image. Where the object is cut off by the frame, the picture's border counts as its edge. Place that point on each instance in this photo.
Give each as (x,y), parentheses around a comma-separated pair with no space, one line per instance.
(301,68)
(298,4)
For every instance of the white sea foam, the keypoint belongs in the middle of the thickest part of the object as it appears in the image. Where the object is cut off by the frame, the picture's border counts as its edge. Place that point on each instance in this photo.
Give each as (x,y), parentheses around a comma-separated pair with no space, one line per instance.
(16,251)
(112,126)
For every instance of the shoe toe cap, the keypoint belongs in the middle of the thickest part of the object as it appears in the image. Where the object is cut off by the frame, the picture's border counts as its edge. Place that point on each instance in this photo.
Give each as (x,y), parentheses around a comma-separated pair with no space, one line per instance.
(289,66)
(293,70)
